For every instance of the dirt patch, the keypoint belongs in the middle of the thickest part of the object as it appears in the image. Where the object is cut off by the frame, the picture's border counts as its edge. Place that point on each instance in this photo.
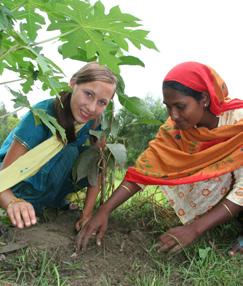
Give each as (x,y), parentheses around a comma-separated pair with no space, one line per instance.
(124,250)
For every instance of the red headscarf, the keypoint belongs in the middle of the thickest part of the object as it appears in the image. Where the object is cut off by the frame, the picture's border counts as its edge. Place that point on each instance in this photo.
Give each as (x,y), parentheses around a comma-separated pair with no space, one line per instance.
(203,78)
(187,156)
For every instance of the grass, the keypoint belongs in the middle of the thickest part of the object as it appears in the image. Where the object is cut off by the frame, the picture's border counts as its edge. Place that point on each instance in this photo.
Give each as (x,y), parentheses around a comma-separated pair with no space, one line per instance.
(37,266)
(205,263)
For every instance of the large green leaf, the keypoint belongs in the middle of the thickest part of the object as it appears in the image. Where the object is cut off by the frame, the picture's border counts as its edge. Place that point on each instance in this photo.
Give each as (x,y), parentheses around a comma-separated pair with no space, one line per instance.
(100,35)
(87,165)
(135,105)
(119,152)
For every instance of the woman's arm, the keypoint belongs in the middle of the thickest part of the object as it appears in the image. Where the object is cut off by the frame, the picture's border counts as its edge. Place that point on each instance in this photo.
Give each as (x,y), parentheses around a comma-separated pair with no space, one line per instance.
(90,199)
(20,212)
(98,224)
(181,236)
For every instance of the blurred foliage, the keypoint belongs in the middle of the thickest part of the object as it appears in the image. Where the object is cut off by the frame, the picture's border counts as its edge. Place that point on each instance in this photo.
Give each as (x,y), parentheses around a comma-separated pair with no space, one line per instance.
(7,123)
(135,131)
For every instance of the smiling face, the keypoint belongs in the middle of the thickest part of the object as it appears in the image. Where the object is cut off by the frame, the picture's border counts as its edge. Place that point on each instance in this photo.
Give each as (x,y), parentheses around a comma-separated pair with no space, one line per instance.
(90,99)
(184,110)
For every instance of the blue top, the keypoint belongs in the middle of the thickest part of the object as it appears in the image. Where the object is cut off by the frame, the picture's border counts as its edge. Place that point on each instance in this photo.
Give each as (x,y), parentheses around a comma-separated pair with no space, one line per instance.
(53,179)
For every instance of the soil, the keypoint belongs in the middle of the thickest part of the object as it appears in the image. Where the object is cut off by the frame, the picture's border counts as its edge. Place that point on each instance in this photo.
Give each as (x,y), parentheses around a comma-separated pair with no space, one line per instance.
(124,250)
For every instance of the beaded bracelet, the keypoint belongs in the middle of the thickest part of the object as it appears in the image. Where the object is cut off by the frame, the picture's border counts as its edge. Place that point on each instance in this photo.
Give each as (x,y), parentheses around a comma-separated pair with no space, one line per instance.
(13,201)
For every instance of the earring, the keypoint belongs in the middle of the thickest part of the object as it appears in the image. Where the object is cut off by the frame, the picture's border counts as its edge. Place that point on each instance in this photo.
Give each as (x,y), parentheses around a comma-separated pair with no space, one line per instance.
(205,104)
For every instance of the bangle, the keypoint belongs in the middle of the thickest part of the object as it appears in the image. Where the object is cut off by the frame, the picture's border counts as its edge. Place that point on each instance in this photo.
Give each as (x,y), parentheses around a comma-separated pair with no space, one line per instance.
(228,209)
(126,188)
(13,201)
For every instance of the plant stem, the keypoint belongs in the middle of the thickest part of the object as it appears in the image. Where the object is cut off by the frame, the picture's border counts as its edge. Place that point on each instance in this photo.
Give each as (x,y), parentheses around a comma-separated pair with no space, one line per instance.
(10,81)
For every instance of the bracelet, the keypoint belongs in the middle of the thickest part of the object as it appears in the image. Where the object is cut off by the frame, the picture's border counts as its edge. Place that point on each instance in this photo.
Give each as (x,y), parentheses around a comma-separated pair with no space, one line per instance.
(228,209)
(13,201)
(126,188)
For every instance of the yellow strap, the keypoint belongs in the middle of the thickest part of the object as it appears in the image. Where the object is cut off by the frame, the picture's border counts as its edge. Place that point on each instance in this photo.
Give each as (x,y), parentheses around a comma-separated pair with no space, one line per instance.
(29,164)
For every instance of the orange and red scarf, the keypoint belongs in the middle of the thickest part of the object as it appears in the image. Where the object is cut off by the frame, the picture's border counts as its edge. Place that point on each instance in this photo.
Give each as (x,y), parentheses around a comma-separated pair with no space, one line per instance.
(186,156)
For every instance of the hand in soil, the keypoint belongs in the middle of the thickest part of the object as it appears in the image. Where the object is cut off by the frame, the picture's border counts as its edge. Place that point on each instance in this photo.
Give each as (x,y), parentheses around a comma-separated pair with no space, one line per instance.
(175,239)
(95,226)
(21,214)
(81,222)
(237,247)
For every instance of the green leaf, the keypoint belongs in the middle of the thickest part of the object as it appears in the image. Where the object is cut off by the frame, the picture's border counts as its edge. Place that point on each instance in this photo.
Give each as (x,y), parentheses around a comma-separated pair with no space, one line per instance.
(43,64)
(204,252)
(100,35)
(130,60)
(97,133)
(50,122)
(27,84)
(115,14)
(147,121)
(87,165)
(34,20)
(119,152)
(114,128)
(6,18)
(135,105)
(20,99)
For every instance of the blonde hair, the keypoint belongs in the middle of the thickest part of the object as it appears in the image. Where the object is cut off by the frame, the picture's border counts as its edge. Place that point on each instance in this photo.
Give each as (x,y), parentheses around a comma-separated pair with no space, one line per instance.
(88,73)
(94,72)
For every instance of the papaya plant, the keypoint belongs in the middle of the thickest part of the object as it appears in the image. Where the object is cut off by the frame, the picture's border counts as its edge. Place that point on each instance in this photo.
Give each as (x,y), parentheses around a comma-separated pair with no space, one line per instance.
(85,32)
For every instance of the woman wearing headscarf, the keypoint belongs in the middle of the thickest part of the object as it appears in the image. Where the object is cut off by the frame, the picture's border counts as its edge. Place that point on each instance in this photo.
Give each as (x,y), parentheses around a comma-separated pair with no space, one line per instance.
(196,158)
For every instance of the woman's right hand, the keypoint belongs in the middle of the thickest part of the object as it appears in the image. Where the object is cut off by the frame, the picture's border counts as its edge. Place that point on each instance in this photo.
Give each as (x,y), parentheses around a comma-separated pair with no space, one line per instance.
(21,213)
(95,226)
(81,222)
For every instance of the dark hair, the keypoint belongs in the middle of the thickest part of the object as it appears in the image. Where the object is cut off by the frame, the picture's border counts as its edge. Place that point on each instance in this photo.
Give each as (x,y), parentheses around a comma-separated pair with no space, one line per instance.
(197,95)
(90,72)
(64,115)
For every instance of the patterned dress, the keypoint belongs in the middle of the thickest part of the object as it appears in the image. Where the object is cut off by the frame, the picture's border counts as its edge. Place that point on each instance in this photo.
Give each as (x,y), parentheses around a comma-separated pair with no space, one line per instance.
(192,200)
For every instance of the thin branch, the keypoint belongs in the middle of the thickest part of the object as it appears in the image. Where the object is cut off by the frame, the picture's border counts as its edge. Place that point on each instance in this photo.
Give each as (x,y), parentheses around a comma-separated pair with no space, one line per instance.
(12,112)
(13,49)
(54,38)
(17,47)
(11,81)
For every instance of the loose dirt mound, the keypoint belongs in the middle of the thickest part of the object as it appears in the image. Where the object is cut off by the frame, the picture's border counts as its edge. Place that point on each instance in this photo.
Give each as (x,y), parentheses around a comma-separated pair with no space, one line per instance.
(123,251)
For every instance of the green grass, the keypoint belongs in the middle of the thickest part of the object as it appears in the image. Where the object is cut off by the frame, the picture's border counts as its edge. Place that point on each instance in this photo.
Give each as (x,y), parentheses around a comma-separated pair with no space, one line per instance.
(33,265)
(205,263)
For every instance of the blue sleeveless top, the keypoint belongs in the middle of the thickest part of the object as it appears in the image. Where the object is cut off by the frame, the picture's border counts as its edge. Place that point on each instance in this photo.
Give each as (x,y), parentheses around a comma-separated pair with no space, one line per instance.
(53,181)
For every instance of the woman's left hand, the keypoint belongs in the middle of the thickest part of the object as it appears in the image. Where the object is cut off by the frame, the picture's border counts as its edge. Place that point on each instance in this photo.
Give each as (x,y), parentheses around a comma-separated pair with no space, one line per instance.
(177,238)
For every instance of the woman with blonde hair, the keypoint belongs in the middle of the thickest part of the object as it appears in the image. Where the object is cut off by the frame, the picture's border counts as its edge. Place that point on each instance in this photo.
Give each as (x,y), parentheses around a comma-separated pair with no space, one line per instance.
(36,166)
